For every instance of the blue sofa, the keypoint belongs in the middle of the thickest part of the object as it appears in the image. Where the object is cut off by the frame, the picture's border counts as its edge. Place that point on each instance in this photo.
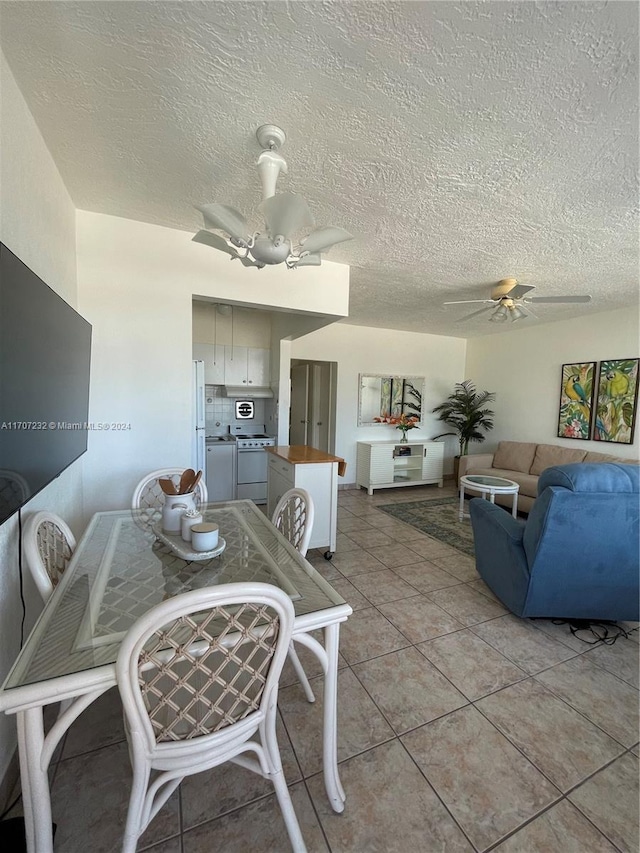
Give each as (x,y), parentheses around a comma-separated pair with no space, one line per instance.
(577,554)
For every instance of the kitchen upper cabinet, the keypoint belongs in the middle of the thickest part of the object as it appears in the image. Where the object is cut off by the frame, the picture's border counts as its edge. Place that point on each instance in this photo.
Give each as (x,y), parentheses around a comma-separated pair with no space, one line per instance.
(214,362)
(246,366)
(258,366)
(225,365)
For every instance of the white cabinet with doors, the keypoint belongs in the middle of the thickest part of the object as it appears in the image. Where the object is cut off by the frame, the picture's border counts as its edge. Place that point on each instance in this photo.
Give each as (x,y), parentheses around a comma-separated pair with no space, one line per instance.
(213,357)
(389,464)
(317,472)
(226,365)
(247,366)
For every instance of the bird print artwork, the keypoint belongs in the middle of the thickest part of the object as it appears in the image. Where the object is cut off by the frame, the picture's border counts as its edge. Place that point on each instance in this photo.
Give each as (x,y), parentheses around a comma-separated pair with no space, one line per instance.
(576,400)
(617,401)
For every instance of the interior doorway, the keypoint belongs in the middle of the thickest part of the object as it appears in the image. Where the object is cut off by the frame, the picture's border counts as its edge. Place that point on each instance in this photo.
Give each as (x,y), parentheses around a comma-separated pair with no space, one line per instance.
(312,416)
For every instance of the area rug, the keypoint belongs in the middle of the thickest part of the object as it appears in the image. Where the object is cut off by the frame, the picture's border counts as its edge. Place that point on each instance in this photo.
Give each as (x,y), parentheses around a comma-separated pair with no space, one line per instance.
(437,518)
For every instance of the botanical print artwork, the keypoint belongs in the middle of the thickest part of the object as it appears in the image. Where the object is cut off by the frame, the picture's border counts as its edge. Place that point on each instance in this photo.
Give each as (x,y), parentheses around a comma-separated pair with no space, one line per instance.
(617,401)
(412,400)
(385,396)
(397,395)
(576,400)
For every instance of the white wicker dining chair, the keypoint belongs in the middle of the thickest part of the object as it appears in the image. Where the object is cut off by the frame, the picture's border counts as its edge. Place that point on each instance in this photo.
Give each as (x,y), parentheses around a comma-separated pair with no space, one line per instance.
(293,517)
(149,497)
(48,545)
(198,676)
(148,494)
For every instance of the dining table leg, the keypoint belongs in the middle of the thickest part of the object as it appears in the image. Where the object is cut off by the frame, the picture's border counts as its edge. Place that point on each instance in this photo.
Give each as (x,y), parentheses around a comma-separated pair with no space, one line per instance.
(34,777)
(335,791)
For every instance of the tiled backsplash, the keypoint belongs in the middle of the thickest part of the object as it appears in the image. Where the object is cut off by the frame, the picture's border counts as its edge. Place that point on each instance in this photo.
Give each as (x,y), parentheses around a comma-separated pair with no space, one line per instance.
(220,412)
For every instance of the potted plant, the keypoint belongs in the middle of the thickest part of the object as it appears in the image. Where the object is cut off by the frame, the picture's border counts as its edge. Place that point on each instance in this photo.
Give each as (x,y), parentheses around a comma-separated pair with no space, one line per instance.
(465,411)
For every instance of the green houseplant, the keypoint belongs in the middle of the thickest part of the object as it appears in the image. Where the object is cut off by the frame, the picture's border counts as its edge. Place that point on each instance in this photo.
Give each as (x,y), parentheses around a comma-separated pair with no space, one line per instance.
(465,410)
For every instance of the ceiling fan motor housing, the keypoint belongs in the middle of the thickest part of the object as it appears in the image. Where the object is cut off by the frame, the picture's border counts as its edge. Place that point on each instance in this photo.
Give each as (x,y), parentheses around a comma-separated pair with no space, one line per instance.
(503,287)
(267,252)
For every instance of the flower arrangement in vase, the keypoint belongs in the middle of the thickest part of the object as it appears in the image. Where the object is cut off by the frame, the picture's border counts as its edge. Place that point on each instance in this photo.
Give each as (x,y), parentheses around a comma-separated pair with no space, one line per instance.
(402,422)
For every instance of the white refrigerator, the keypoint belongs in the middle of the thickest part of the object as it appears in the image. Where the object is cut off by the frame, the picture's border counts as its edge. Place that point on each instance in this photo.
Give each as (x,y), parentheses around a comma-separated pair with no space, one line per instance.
(198,431)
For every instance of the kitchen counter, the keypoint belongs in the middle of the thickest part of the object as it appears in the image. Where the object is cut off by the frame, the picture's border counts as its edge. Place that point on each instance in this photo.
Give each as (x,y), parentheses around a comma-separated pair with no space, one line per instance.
(301,454)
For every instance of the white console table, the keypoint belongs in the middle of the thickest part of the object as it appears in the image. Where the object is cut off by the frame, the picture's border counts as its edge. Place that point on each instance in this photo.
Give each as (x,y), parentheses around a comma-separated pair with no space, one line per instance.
(390,464)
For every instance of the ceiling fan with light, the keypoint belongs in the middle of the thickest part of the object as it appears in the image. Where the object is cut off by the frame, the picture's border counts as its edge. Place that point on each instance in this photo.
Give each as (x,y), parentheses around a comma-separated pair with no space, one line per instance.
(510,300)
(285,215)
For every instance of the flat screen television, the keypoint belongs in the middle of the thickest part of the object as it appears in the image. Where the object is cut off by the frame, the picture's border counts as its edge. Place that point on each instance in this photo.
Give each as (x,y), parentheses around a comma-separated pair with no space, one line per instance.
(45,358)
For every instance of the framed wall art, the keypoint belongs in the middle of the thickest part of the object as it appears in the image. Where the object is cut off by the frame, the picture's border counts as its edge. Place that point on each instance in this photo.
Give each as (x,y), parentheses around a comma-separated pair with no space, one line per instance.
(576,400)
(381,397)
(617,401)
(397,394)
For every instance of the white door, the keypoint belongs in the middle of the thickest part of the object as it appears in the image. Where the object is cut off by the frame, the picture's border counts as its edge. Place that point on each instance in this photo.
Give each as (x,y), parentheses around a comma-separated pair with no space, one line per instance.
(299,420)
(320,405)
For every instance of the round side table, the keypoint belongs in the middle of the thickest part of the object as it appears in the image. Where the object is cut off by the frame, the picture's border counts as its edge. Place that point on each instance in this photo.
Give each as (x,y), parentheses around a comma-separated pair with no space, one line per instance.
(488,487)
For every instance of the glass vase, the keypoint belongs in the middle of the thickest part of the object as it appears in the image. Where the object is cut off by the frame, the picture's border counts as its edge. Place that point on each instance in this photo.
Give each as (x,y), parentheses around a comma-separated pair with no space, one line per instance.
(404,439)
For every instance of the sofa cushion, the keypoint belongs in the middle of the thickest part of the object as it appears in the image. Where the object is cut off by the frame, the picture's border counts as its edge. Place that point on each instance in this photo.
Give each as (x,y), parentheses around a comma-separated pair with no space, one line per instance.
(548,455)
(515,456)
(592,456)
(528,482)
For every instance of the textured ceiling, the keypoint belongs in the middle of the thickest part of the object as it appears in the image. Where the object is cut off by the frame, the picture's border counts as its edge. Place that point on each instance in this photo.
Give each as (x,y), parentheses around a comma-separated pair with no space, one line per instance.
(460,143)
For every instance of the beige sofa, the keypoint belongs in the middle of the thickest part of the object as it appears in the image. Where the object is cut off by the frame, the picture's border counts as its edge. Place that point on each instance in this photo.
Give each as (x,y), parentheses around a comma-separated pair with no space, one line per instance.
(523,462)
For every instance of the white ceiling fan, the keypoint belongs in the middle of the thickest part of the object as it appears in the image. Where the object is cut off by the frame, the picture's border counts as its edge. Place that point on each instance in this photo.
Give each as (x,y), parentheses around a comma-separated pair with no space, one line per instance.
(510,300)
(285,214)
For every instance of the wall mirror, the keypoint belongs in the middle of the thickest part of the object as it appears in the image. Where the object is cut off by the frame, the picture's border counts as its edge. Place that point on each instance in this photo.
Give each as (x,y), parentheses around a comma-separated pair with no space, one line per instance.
(381,396)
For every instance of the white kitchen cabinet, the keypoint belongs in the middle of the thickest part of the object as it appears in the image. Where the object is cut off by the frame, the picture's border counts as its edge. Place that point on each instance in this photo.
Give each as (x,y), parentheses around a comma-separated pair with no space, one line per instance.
(258,366)
(221,471)
(389,464)
(246,366)
(213,357)
(315,471)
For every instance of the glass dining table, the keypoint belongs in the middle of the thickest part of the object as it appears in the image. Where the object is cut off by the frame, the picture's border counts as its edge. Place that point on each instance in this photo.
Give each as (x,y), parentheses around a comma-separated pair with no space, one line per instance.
(119,570)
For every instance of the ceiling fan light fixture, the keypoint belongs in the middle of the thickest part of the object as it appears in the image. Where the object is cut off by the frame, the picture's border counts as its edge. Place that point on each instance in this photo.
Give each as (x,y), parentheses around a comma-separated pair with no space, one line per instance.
(499,315)
(268,251)
(516,313)
(285,214)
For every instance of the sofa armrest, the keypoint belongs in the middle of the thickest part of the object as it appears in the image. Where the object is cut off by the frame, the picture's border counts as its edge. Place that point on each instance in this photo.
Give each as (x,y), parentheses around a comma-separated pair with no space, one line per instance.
(500,556)
(471,463)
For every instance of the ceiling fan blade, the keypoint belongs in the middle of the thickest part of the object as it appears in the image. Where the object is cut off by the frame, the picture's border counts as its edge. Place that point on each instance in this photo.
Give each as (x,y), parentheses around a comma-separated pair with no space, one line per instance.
(474,314)
(558,299)
(215,241)
(309,261)
(323,238)
(473,301)
(285,213)
(248,262)
(519,290)
(227,219)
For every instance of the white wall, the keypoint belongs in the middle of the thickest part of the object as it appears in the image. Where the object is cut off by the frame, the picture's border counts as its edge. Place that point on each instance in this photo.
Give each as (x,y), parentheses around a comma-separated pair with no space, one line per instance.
(136,283)
(37,222)
(358,349)
(524,366)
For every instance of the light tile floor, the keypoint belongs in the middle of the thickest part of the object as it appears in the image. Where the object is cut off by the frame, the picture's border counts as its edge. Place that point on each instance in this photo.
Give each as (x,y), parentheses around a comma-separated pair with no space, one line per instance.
(461,727)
